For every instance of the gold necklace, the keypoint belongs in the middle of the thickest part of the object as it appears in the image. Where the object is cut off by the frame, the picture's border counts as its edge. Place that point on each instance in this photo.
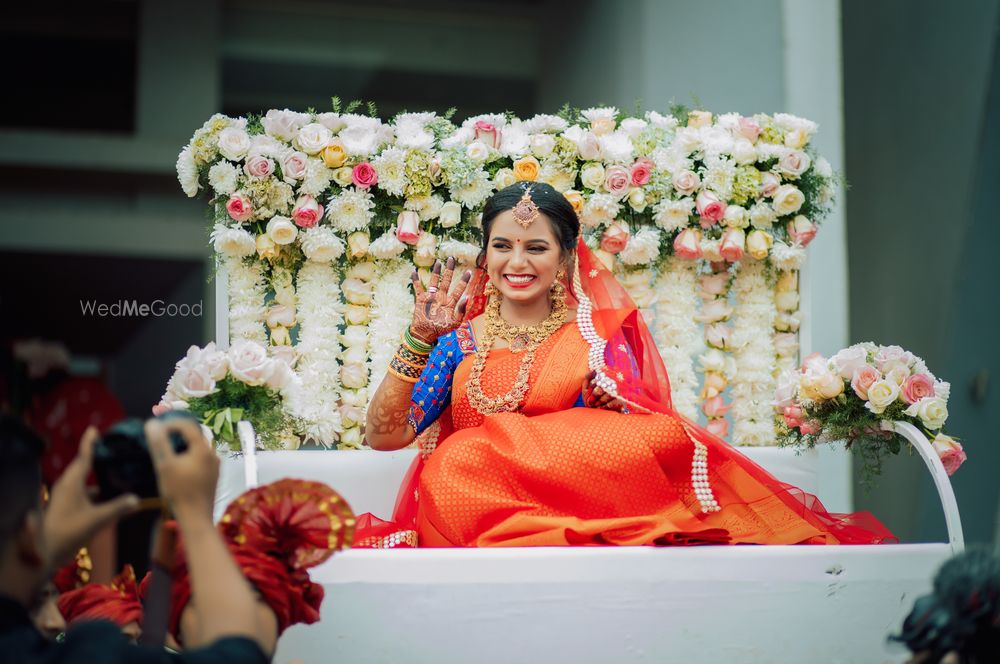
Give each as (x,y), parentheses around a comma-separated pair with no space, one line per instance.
(531,336)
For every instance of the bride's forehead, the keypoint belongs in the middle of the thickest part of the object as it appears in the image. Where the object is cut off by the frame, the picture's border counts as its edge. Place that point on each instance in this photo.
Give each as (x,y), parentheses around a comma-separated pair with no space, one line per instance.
(504,225)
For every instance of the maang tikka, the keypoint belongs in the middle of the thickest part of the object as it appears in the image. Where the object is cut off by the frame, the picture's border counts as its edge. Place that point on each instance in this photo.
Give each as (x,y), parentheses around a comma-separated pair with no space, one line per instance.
(525,212)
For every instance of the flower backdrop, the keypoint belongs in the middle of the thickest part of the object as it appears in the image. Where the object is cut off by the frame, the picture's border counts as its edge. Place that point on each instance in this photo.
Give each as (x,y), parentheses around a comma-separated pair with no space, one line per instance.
(319,218)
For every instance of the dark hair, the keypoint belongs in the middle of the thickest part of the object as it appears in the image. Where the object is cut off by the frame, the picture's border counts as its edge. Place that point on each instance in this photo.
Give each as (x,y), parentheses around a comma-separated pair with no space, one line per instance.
(565,223)
(20,475)
(962,614)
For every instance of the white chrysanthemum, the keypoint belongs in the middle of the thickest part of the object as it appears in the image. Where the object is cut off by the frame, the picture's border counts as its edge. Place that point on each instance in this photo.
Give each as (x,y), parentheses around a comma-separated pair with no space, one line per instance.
(616,147)
(222,177)
(673,215)
(426,207)
(475,192)
(642,248)
(317,178)
(391,167)
(687,140)
(463,252)
(548,124)
(514,141)
(599,209)
(351,210)
(362,135)
(187,173)
(425,252)
(462,136)
(232,241)
(321,244)
(267,146)
(284,124)
(789,122)
(247,289)
(386,246)
(716,141)
(331,121)
(412,132)
(676,332)
(599,112)
(823,168)
(787,257)
(667,122)
(768,151)
(633,126)
(719,177)
(498,120)
(391,309)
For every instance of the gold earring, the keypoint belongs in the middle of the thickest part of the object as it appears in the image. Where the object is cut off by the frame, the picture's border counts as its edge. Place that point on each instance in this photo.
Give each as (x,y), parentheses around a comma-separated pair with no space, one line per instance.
(490,289)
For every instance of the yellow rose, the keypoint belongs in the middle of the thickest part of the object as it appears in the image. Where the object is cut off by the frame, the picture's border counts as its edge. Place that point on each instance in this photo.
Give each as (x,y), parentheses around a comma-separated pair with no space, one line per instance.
(575,199)
(266,248)
(699,119)
(788,199)
(334,154)
(357,244)
(788,281)
(526,169)
(796,139)
(602,126)
(759,244)
(344,176)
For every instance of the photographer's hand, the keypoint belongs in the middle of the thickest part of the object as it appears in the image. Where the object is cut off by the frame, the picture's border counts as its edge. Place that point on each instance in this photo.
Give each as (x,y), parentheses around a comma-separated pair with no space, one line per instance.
(187,480)
(71,518)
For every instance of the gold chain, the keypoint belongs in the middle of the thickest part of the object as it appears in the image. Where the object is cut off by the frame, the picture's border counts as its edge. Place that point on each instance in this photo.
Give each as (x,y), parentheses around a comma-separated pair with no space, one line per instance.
(531,336)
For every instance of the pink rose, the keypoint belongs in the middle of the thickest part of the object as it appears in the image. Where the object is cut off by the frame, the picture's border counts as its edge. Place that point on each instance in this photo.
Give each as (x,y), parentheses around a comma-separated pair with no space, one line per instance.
(916,387)
(812,427)
(293,166)
(258,166)
(686,182)
(617,180)
(589,146)
(718,427)
(238,207)
(285,354)
(487,133)
(801,230)
(814,362)
(713,284)
(161,408)
(864,377)
(794,163)
(687,244)
(717,335)
(793,416)
(642,169)
(769,183)
(715,407)
(749,129)
(306,212)
(364,175)
(408,227)
(434,171)
(710,208)
(949,451)
(281,314)
(614,239)
(715,311)
(733,243)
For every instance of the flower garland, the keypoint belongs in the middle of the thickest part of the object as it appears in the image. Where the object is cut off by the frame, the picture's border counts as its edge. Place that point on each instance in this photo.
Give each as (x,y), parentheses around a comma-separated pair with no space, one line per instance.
(718,337)
(753,344)
(316,399)
(247,290)
(357,288)
(391,311)
(675,330)
(787,259)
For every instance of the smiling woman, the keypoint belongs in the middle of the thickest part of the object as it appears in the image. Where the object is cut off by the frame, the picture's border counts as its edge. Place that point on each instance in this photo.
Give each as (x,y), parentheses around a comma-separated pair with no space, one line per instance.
(542,410)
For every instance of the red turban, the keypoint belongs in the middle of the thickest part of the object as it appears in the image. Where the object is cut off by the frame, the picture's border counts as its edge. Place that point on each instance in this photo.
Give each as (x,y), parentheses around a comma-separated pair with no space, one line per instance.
(75,574)
(117,602)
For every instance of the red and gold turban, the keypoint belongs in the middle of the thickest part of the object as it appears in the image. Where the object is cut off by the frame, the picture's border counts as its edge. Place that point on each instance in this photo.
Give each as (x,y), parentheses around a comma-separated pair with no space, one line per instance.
(75,574)
(117,602)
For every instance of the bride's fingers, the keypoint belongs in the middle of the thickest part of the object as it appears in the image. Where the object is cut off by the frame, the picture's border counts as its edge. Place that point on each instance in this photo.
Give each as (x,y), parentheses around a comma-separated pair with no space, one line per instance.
(435,275)
(449,271)
(418,288)
(463,285)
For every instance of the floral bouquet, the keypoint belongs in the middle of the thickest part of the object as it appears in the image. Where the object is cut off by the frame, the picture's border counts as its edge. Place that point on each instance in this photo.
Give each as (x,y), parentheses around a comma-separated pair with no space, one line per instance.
(222,388)
(847,397)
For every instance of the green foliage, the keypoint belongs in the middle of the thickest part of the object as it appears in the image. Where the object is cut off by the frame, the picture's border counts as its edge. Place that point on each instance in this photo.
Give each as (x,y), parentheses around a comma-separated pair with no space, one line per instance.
(235,400)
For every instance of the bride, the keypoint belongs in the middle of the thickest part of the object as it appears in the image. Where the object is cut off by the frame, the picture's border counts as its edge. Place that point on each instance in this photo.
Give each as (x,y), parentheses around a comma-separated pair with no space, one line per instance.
(542,411)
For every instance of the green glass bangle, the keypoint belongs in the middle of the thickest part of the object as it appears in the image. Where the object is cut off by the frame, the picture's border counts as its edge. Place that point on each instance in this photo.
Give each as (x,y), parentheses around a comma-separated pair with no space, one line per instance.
(416,345)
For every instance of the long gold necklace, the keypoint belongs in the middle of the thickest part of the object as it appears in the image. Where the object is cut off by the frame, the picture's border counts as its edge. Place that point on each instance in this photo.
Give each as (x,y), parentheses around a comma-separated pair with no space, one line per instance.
(528,338)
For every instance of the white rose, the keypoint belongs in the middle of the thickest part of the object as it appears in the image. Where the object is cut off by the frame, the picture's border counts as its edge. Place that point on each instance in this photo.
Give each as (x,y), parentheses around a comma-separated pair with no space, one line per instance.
(744,152)
(192,382)
(234,143)
(357,291)
(354,397)
(592,176)
(762,216)
(504,178)
(736,217)
(249,363)
(350,439)
(881,395)
(932,411)
(358,244)
(713,360)
(354,375)
(541,145)
(354,355)
(942,389)
(281,230)
(849,360)
(632,126)
(355,335)
(282,124)
(364,271)
(451,213)
(313,137)
(788,199)
(786,300)
(477,152)
(344,176)
(793,163)
(356,315)
(637,199)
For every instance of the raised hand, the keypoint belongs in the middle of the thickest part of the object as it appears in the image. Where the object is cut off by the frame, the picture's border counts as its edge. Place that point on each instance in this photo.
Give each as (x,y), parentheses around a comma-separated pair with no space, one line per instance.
(596,397)
(439,307)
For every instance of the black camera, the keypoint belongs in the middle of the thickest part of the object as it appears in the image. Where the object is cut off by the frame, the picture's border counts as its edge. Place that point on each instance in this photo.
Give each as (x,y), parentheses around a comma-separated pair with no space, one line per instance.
(122,462)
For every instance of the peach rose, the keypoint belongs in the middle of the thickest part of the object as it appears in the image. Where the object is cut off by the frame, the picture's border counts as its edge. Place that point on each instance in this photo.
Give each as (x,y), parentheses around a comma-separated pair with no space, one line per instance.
(258,166)
(713,284)
(687,244)
(710,208)
(916,387)
(615,238)
(526,169)
(718,427)
(769,183)
(811,428)
(575,199)
(686,182)
(733,243)
(759,244)
(793,416)
(408,227)
(864,377)
(717,335)
(617,180)
(715,383)
(749,129)
(334,154)
(239,208)
(715,407)
(642,170)
(699,119)
(307,212)
(949,451)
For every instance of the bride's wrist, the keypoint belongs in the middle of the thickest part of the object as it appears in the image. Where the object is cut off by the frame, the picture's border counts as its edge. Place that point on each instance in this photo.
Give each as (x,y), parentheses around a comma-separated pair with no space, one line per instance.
(417,341)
